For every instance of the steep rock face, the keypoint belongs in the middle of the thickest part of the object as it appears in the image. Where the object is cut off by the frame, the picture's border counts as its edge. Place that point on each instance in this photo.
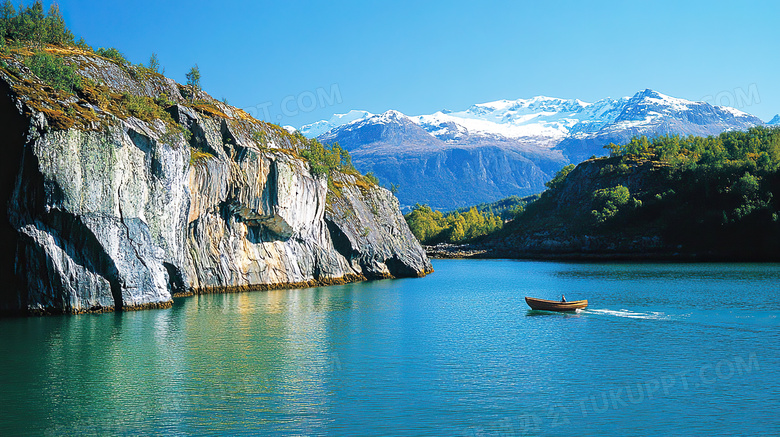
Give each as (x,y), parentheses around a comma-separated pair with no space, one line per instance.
(259,220)
(368,229)
(117,212)
(97,216)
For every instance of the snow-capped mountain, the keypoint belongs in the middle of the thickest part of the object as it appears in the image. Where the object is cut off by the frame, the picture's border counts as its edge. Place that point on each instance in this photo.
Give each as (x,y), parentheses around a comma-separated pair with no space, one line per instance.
(539,116)
(492,150)
(316,129)
(559,118)
(652,113)
(443,174)
(774,121)
(388,132)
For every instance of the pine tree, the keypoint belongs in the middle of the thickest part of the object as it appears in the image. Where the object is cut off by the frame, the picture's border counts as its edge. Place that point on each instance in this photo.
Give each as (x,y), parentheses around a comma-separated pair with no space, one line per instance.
(154,64)
(33,22)
(193,81)
(56,32)
(7,16)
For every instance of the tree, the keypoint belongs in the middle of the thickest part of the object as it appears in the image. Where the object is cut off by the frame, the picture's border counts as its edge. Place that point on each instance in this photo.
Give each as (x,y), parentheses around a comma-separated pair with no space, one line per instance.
(7,16)
(638,146)
(614,149)
(557,181)
(55,30)
(193,81)
(371,177)
(458,229)
(345,160)
(424,222)
(32,24)
(83,45)
(607,202)
(154,64)
(32,19)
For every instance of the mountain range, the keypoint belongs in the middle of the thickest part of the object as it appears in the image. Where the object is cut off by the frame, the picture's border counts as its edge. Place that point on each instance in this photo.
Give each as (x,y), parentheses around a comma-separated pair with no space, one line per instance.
(451,159)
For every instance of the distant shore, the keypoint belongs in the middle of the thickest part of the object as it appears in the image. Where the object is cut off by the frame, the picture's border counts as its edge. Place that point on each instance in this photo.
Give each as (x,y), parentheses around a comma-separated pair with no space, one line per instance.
(479,251)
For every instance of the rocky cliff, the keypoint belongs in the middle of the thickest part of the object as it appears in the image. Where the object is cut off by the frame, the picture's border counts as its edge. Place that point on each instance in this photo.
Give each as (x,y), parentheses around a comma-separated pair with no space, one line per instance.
(132,189)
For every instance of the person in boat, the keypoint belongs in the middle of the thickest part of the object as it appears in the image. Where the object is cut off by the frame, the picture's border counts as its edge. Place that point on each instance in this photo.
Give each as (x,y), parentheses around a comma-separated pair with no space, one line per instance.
(563,298)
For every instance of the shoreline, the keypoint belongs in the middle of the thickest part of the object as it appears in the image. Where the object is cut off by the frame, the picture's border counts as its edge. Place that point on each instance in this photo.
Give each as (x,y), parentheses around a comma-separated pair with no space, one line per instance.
(468,251)
(323,282)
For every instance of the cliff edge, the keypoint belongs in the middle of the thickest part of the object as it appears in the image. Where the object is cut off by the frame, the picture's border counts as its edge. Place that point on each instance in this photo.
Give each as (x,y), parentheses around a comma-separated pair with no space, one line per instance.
(129,188)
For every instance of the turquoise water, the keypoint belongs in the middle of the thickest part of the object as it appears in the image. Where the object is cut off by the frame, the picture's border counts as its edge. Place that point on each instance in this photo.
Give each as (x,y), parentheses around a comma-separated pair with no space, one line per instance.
(663,349)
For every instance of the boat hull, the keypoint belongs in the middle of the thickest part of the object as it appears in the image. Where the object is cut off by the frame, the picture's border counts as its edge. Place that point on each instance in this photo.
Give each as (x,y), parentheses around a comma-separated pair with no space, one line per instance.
(552,305)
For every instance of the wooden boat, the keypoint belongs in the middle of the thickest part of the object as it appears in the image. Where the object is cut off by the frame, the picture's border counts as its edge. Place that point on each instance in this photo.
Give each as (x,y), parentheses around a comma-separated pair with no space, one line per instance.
(555,305)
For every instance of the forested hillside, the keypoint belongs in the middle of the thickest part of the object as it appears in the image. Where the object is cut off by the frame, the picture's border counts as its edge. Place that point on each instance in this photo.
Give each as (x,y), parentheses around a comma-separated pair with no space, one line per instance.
(713,197)
(464,224)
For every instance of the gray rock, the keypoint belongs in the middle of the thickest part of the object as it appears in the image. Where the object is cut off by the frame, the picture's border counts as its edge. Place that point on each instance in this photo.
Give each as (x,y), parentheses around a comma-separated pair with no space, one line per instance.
(125,216)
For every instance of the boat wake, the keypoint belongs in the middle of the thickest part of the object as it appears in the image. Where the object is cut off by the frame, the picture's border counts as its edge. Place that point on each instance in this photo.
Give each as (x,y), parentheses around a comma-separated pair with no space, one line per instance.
(653,315)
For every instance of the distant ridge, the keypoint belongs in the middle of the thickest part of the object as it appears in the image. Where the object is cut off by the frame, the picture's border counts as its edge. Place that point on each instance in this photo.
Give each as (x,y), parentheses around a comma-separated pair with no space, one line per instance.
(492,150)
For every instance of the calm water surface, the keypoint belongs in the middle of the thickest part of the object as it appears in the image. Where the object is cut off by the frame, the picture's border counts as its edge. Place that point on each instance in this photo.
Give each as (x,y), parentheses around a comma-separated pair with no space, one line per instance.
(663,349)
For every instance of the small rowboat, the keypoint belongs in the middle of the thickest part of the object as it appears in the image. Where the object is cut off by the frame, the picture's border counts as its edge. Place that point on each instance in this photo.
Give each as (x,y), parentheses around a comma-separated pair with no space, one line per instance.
(555,305)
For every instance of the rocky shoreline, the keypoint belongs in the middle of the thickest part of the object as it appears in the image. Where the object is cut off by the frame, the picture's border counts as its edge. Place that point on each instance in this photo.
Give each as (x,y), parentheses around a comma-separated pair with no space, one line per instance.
(479,251)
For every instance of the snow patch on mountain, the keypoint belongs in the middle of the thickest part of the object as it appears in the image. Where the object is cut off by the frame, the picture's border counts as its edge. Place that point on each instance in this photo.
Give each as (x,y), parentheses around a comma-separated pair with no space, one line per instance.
(318,128)
(662,100)
(536,117)
(548,121)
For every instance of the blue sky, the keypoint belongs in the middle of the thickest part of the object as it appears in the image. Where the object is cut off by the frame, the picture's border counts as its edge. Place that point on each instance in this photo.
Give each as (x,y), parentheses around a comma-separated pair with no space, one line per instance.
(296,62)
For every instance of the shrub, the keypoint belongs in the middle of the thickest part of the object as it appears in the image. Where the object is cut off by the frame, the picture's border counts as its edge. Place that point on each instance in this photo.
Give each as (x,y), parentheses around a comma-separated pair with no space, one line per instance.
(371,177)
(141,107)
(261,139)
(96,93)
(199,157)
(113,54)
(557,181)
(608,201)
(54,71)
(174,134)
(163,100)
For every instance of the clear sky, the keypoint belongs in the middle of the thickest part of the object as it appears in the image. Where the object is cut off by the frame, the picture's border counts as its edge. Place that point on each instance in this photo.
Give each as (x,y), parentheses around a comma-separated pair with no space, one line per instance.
(296,62)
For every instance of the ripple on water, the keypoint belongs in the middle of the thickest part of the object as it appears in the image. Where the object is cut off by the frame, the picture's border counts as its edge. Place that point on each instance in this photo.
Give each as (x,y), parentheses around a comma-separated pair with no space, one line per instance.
(458,352)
